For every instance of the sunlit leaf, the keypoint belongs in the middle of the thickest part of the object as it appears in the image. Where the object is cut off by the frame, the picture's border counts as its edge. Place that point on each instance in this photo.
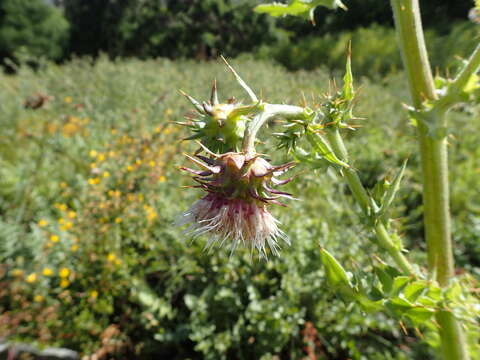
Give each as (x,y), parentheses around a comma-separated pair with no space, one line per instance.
(336,274)
(303,8)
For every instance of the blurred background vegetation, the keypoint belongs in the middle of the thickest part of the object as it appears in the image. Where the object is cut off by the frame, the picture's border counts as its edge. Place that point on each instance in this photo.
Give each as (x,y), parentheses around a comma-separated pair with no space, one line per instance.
(89,258)
(202,29)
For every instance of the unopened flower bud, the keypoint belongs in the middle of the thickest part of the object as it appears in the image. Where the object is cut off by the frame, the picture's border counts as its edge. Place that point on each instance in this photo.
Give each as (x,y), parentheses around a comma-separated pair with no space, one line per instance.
(219,126)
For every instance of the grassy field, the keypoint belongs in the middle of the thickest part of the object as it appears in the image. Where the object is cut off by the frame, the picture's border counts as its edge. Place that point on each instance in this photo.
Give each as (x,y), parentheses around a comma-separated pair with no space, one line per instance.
(89,189)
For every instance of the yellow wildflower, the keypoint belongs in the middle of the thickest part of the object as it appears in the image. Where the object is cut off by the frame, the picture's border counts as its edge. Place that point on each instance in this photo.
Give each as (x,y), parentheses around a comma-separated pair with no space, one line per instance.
(38,298)
(72,214)
(47,272)
(129,168)
(151,163)
(61,221)
(151,215)
(54,238)
(68,225)
(68,99)
(111,257)
(43,223)
(106,174)
(162,179)
(94,181)
(74,247)
(118,220)
(64,272)
(61,207)
(63,185)
(92,153)
(158,129)
(100,157)
(17,272)
(64,283)
(69,129)
(94,294)
(31,278)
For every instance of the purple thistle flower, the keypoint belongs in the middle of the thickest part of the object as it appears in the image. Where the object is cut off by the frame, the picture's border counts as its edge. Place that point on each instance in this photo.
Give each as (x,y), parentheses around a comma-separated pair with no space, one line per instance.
(239,191)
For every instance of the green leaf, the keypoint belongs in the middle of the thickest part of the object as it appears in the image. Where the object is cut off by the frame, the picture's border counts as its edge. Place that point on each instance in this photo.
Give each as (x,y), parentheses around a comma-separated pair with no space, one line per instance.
(304,8)
(336,274)
(413,290)
(368,304)
(419,315)
(386,275)
(348,91)
(322,147)
(399,283)
(398,306)
(454,291)
(392,190)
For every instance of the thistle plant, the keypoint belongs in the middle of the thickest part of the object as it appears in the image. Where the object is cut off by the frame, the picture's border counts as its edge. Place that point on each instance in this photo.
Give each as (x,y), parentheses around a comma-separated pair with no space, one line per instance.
(240,185)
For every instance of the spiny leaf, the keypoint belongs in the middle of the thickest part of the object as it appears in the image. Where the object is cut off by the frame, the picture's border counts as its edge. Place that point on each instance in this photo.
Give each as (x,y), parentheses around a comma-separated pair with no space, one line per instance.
(322,148)
(348,91)
(392,190)
(242,83)
(336,275)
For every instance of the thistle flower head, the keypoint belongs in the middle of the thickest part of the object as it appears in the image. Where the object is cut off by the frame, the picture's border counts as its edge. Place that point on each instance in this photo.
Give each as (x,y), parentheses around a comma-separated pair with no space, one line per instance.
(239,188)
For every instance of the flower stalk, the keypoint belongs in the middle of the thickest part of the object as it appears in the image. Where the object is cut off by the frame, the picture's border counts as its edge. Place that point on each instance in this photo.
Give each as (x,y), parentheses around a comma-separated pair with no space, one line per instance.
(433,151)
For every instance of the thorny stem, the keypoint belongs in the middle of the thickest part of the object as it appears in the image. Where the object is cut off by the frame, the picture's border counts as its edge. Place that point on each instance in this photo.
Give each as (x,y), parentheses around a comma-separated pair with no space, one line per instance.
(433,150)
(362,197)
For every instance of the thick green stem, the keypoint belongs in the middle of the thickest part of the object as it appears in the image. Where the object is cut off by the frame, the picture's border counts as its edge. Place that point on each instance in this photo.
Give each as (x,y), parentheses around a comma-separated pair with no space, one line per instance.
(433,150)
(362,197)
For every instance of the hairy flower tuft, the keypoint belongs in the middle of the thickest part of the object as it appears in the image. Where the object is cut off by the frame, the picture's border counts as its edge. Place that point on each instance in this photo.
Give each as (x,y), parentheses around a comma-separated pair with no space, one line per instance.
(239,191)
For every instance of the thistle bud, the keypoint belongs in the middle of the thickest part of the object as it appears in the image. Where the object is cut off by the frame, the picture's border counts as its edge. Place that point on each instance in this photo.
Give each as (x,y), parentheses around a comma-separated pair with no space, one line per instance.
(239,190)
(219,126)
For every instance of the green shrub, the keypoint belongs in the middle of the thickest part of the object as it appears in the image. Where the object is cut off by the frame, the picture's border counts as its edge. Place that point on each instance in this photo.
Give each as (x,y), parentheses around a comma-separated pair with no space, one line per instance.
(374,49)
(170,28)
(32,28)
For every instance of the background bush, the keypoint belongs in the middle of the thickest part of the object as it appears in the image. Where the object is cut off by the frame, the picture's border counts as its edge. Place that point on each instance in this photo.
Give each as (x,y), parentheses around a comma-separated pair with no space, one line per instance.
(32,28)
(170,28)
(374,48)
(202,29)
